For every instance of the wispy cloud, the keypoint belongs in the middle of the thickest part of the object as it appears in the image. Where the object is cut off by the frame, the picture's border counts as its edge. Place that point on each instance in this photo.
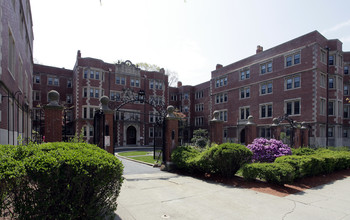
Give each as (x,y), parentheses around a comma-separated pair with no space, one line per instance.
(337,27)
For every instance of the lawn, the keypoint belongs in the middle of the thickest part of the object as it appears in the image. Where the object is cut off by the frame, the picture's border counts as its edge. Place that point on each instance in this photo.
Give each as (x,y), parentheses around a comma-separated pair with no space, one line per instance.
(145,156)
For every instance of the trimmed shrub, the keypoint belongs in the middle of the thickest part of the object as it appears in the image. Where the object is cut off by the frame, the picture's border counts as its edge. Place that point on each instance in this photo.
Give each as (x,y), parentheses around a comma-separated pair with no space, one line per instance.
(225,159)
(265,150)
(279,173)
(303,151)
(59,181)
(184,156)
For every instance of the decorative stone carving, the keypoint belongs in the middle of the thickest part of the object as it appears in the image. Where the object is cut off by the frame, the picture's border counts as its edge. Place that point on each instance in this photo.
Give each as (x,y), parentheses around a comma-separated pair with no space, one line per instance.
(250,120)
(54,96)
(170,111)
(104,102)
(216,115)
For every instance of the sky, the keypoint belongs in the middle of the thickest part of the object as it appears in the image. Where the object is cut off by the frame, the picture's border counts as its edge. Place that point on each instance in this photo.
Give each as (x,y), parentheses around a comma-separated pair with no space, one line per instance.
(185,36)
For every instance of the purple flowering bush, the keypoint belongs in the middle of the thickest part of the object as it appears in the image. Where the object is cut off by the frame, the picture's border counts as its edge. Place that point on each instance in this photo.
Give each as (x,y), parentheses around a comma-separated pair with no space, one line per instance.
(265,150)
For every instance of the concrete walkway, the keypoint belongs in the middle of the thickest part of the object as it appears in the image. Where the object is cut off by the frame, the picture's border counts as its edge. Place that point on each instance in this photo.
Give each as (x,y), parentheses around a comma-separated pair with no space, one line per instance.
(163,195)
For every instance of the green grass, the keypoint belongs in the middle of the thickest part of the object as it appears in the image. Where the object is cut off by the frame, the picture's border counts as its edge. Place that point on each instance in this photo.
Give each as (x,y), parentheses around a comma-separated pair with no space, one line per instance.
(147,159)
(133,153)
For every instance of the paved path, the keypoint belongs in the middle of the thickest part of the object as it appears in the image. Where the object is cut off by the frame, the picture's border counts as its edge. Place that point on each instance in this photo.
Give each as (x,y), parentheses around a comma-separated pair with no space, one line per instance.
(154,194)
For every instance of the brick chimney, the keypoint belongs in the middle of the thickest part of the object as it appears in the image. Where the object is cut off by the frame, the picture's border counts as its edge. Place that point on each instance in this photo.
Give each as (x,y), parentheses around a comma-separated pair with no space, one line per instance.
(259,49)
(218,66)
(78,54)
(179,84)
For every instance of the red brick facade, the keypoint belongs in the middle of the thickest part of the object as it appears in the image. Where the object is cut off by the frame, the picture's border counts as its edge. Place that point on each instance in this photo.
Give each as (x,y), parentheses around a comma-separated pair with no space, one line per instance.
(16,71)
(306,78)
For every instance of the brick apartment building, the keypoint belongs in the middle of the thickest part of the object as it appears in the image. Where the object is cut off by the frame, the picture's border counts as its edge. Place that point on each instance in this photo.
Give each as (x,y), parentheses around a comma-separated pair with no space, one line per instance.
(290,78)
(16,69)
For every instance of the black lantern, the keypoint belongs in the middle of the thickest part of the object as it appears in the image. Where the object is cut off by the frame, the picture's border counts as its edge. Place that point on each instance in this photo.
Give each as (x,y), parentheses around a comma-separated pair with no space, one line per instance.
(141,96)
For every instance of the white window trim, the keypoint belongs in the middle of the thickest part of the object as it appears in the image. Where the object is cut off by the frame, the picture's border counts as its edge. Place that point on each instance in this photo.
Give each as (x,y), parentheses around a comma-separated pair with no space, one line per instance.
(292,100)
(292,54)
(293,81)
(267,88)
(266,105)
(239,112)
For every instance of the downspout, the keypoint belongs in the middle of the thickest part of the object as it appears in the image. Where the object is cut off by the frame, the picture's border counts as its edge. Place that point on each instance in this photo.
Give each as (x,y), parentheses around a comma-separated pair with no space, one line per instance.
(327,95)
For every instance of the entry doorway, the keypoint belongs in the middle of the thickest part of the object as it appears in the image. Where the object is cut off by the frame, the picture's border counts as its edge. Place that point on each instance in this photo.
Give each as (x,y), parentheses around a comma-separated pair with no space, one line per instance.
(131,135)
(242,136)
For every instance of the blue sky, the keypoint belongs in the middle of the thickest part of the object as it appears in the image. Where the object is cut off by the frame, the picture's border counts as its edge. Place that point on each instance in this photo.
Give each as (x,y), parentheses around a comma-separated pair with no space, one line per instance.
(189,37)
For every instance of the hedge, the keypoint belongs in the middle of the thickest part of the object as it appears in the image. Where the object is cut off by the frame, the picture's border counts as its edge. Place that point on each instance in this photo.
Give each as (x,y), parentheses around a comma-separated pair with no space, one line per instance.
(58,181)
(225,159)
(279,173)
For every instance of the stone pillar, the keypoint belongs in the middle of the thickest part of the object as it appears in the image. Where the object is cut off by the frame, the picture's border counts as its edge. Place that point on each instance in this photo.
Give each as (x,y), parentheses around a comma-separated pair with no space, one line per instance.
(216,129)
(297,137)
(53,118)
(276,129)
(305,135)
(171,134)
(250,131)
(109,140)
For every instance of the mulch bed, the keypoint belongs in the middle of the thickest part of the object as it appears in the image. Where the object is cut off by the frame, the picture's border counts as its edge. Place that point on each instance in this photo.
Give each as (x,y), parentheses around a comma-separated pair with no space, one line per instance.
(274,189)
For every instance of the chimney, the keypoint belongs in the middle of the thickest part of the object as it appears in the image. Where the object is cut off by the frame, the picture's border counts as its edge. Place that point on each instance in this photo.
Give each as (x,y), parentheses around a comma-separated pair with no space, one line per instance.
(162,70)
(179,84)
(218,66)
(78,54)
(259,49)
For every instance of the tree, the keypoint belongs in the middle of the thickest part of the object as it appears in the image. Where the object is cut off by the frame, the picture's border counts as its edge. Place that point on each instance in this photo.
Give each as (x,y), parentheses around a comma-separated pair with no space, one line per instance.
(172,75)
(200,137)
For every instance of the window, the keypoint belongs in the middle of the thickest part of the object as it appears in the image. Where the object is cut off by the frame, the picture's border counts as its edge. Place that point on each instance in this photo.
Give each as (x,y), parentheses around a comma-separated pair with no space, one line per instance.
(56,82)
(331,60)
(266,110)
(265,88)
(223,115)
(323,80)
(49,81)
(292,59)
(245,92)
(323,106)
(199,121)
(151,84)
(346,111)
(115,96)
(331,83)
(91,93)
(345,132)
(132,82)
(292,107)
(186,96)
(265,132)
(244,112)
(84,92)
(11,54)
(122,80)
(36,95)
(91,112)
(84,112)
(221,81)
(199,94)
(245,74)
(151,132)
(69,99)
(97,93)
(69,83)
(330,132)
(85,74)
(346,89)
(199,107)
(92,75)
(266,68)
(221,98)
(137,83)
(331,108)
(323,56)
(292,82)
(346,69)
(37,79)
(117,80)
(97,75)
(173,97)
(91,131)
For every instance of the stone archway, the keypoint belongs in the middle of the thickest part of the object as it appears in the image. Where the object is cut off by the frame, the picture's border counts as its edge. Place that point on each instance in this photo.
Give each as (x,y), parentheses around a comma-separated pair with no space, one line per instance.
(131,135)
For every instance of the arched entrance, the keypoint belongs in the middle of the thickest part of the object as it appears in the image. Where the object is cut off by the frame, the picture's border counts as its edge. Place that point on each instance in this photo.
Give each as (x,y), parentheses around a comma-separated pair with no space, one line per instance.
(131,135)
(242,136)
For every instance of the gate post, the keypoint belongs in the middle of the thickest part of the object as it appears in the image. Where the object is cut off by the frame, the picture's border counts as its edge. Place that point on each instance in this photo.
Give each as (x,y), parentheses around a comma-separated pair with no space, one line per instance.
(275,129)
(297,137)
(250,131)
(171,134)
(108,128)
(53,118)
(216,129)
